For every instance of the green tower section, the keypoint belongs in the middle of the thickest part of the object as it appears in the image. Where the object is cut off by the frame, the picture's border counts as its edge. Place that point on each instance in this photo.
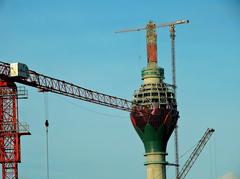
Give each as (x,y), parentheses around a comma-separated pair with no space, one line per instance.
(153,139)
(153,72)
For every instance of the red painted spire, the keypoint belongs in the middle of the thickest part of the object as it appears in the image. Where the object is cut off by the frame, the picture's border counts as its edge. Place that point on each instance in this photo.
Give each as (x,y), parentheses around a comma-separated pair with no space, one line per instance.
(151,43)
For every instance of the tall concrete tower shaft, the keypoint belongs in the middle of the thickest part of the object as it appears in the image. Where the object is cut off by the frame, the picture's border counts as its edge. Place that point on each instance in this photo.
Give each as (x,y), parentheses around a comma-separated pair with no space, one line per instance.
(154,114)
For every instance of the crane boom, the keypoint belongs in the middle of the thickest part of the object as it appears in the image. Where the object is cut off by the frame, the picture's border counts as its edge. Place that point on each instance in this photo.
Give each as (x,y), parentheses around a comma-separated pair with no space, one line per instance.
(49,84)
(168,24)
(196,152)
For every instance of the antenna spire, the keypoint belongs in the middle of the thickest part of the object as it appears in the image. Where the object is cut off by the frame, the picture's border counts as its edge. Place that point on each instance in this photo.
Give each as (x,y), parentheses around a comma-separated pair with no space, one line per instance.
(151,38)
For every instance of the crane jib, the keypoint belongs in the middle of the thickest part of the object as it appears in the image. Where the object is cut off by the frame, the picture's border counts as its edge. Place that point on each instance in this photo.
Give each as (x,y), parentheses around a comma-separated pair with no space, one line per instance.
(48,84)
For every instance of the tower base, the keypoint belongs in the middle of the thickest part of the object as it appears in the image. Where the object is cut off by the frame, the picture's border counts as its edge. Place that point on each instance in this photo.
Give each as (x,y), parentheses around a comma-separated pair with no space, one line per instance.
(156,165)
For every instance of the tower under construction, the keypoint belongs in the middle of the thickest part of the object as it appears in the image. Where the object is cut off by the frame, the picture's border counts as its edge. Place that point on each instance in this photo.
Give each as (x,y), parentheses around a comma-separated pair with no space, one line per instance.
(154,112)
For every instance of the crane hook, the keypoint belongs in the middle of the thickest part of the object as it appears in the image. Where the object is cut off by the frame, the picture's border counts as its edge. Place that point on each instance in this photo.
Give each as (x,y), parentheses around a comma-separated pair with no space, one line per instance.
(46,123)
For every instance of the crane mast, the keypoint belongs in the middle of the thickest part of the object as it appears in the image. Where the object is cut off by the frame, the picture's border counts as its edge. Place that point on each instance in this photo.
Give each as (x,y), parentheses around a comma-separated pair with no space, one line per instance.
(174,83)
(10,129)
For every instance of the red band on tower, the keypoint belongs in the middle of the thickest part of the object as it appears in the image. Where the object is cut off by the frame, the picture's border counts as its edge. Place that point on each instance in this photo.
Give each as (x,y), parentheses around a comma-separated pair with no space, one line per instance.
(152,52)
(151,43)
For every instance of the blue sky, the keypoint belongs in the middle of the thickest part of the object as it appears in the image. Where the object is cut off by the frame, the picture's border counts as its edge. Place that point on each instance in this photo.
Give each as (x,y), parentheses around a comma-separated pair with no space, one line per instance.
(75,41)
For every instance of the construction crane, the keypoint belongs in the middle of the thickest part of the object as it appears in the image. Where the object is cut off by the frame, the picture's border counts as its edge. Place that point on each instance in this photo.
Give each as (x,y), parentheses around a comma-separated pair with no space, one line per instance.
(171,26)
(174,83)
(11,129)
(168,24)
(196,152)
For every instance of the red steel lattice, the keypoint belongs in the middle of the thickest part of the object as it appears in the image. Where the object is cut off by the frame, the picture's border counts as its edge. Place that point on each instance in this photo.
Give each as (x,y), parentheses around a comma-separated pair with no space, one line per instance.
(46,83)
(10,153)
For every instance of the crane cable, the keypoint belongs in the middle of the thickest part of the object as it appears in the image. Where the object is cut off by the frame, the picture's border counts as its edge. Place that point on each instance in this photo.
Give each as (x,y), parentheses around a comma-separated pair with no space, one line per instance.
(46,126)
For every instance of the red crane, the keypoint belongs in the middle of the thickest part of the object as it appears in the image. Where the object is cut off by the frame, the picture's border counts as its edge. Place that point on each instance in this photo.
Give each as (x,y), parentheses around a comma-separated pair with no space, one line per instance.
(11,129)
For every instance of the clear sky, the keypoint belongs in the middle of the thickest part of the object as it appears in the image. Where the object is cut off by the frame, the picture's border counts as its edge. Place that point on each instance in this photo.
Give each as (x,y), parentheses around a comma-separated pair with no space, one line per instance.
(74,40)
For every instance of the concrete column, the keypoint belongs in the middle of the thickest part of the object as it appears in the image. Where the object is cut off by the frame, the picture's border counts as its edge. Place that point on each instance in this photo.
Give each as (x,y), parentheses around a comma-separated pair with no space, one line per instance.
(156,165)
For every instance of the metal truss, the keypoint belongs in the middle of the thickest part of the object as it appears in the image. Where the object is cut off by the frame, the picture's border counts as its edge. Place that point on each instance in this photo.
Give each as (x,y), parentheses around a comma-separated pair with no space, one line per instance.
(10,131)
(49,84)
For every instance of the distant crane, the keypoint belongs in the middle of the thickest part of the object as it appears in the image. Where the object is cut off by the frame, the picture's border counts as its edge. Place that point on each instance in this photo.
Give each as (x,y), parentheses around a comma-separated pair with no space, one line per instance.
(196,152)
(157,26)
(171,26)
(173,64)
